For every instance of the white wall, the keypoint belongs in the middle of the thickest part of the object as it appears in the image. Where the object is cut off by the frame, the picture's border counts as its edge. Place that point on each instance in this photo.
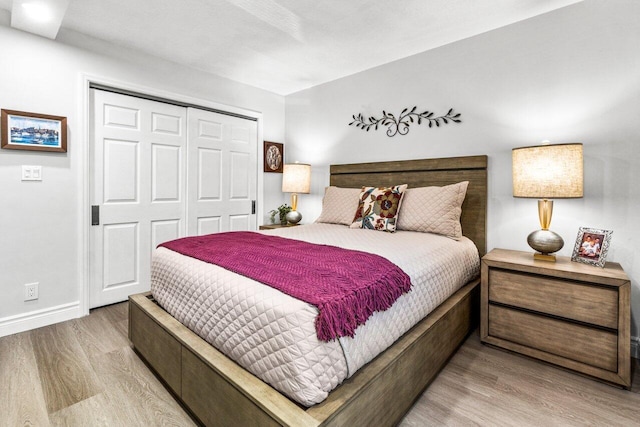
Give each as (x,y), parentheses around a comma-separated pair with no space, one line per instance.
(40,222)
(572,75)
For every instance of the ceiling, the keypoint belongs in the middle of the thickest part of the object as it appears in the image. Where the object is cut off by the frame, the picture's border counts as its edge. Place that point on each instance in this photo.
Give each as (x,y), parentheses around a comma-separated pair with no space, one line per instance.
(284,46)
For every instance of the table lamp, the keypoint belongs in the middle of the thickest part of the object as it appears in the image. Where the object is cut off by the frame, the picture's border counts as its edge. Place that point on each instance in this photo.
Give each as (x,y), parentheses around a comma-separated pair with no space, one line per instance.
(547,172)
(296,178)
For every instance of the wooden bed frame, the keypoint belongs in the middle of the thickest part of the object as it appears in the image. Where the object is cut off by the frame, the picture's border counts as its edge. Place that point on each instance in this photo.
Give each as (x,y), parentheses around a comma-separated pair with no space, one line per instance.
(217,391)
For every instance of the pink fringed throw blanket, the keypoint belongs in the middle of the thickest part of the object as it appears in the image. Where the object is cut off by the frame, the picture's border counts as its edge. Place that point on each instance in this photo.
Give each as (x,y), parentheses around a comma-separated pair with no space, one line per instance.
(346,286)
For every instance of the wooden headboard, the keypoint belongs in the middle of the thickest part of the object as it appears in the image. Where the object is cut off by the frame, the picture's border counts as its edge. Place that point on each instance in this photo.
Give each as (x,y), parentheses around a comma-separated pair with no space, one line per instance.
(424,173)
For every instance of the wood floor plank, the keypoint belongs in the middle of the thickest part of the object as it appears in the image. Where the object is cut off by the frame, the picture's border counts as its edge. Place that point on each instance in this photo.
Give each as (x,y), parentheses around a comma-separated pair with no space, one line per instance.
(549,387)
(65,372)
(529,397)
(96,411)
(482,385)
(118,316)
(21,397)
(124,375)
(97,334)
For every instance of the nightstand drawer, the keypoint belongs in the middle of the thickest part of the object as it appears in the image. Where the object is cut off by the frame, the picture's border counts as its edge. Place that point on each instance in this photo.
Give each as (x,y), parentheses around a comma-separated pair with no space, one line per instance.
(558,297)
(581,343)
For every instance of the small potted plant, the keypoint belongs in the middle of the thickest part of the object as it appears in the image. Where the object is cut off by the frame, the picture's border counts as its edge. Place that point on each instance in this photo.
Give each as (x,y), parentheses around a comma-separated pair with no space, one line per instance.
(282,212)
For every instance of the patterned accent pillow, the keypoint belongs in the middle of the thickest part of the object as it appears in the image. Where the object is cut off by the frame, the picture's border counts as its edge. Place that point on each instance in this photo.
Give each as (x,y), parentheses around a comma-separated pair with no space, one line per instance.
(338,205)
(378,208)
(434,210)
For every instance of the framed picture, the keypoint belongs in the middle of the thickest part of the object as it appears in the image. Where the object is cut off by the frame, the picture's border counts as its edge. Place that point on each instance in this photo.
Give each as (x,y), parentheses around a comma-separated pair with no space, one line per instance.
(591,246)
(30,131)
(273,157)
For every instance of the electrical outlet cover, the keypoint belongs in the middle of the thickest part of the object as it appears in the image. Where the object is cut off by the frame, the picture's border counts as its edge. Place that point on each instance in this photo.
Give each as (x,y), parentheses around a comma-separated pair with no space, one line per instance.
(30,291)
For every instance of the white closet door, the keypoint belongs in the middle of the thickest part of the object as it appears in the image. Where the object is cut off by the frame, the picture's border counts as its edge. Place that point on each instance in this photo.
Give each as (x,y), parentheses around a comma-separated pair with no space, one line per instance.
(139,184)
(222,173)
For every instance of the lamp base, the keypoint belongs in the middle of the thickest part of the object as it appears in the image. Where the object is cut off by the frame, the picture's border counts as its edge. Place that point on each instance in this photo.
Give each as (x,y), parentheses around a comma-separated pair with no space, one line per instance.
(293,217)
(545,242)
(544,257)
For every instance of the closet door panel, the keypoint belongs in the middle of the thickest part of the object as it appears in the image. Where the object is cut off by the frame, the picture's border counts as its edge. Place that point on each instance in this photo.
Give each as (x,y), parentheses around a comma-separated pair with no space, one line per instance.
(223,173)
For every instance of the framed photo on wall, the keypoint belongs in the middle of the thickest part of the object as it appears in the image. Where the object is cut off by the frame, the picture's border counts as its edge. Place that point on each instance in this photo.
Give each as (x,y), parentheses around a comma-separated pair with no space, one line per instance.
(591,246)
(273,157)
(31,131)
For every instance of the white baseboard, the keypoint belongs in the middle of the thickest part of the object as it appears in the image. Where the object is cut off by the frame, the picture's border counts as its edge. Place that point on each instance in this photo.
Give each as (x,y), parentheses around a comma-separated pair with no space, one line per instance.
(635,347)
(39,318)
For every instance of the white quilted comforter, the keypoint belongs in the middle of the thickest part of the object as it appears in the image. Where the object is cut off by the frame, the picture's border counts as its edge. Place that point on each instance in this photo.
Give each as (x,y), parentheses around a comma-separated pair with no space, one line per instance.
(272,334)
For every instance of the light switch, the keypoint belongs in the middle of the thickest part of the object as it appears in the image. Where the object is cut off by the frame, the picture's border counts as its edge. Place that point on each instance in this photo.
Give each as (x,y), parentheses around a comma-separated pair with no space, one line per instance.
(26,173)
(31,173)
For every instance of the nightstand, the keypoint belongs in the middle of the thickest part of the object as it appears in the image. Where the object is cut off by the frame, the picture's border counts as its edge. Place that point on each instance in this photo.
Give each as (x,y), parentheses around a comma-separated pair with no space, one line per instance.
(274,226)
(573,315)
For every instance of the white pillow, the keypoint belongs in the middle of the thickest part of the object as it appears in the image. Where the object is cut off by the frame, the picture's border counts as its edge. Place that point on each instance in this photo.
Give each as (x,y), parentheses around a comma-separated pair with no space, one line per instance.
(339,205)
(433,210)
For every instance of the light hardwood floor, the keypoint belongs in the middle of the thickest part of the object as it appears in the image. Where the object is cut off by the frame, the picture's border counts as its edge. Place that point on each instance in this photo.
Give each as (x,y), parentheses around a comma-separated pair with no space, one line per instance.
(84,373)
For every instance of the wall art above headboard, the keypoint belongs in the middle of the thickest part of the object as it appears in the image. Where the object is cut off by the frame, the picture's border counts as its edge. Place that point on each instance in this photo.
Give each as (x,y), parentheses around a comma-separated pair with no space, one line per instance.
(400,125)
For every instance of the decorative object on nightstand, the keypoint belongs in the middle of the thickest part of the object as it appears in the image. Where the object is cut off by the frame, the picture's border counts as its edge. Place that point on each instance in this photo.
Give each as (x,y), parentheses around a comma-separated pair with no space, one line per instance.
(591,246)
(282,212)
(569,314)
(547,172)
(296,179)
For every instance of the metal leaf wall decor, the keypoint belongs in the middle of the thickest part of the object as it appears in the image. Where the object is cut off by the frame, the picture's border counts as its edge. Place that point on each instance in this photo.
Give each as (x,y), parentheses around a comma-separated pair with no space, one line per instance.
(400,125)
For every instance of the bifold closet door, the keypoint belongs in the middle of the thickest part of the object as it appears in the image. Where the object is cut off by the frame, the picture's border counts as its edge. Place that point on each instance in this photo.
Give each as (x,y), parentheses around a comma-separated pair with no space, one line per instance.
(222,173)
(138,190)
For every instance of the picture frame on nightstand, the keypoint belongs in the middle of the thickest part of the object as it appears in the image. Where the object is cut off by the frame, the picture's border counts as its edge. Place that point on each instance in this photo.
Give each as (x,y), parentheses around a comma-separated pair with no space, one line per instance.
(592,245)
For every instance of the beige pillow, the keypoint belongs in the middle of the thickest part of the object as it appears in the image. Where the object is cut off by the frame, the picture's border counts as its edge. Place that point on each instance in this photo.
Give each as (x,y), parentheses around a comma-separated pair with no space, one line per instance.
(338,205)
(433,210)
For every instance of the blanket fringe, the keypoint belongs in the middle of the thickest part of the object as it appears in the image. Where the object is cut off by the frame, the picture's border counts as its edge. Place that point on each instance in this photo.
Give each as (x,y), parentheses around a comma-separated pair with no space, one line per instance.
(342,318)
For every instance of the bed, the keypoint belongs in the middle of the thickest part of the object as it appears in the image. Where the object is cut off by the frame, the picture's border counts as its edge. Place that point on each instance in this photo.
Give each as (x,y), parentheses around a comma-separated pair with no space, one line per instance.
(218,391)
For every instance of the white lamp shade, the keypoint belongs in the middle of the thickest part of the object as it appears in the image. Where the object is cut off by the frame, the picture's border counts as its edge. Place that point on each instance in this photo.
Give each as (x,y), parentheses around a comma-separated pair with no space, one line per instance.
(296,178)
(548,171)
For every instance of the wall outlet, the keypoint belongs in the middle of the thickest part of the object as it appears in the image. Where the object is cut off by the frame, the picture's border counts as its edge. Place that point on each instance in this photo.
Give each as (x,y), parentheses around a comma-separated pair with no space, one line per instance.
(30,291)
